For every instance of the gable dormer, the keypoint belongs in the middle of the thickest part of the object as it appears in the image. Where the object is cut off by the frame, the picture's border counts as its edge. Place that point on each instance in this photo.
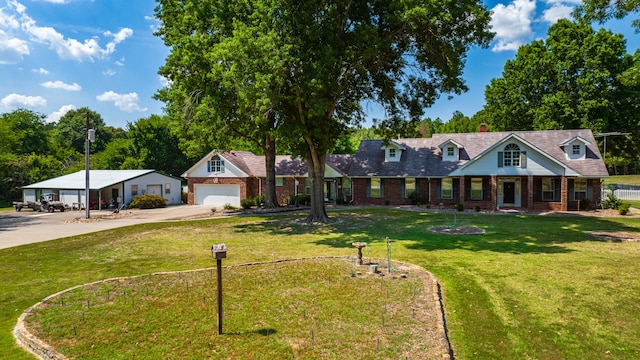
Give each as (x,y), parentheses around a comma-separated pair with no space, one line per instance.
(392,151)
(575,148)
(450,150)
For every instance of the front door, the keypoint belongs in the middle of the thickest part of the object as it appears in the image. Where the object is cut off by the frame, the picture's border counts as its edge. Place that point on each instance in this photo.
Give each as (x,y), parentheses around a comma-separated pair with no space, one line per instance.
(509,193)
(328,190)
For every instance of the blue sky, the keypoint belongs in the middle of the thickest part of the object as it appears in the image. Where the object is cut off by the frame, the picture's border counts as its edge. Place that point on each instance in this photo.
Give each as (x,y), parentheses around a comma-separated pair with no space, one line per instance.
(57,55)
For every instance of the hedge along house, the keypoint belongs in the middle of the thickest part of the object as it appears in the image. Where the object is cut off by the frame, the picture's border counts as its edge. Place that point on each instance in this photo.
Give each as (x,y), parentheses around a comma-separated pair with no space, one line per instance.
(541,170)
(107,188)
(228,177)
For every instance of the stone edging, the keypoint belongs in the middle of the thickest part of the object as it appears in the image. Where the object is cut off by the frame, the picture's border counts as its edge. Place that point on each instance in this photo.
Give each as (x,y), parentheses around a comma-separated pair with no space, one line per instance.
(44,351)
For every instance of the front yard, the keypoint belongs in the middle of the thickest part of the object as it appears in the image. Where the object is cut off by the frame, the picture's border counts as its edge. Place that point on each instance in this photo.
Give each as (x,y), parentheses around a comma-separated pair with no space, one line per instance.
(532,287)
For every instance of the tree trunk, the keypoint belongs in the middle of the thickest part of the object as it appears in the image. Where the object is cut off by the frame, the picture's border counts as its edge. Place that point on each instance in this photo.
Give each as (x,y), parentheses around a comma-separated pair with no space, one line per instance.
(271,199)
(315,165)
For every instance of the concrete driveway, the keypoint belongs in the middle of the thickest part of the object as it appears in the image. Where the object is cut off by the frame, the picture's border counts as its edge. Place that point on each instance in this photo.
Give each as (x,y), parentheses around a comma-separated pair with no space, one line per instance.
(27,226)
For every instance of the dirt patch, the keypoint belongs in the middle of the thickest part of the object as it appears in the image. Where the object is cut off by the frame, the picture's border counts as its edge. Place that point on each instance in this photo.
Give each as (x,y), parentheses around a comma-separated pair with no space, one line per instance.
(456,230)
(614,236)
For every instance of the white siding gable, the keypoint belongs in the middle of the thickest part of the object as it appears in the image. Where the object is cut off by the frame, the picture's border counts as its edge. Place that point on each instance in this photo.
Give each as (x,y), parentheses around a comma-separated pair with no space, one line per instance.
(534,163)
(575,150)
(200,169)
(450,151)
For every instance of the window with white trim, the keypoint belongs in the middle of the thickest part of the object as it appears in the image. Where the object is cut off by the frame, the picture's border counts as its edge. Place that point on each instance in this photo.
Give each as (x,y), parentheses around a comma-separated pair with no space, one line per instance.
(579,189)
(134,190)
(346,187)
(409,186)
(450,151)
(476,189)
(575,149)
(375,187)
(548,189)
(215,165)
(167,188)
(446,188)
(511,155)
(392,153)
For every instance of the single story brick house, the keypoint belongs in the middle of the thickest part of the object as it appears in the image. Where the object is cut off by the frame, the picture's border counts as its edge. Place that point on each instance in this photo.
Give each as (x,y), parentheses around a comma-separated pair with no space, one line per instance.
(537,170)
(227,177)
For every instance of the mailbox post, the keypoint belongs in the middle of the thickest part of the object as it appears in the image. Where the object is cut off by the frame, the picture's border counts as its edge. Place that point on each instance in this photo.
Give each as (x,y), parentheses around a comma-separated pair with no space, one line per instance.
(219,252)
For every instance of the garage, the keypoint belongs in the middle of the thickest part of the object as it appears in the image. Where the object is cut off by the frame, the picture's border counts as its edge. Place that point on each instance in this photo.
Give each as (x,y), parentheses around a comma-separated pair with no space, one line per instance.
(217,194)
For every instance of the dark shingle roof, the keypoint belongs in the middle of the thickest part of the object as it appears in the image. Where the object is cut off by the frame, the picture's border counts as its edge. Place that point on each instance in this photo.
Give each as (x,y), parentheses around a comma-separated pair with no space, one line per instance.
(422,157)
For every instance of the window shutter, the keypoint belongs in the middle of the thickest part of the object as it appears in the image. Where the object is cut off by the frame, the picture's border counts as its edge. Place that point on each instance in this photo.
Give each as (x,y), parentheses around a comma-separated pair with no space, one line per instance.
(439,189)
(209,166)
(523,159)
(403,192)
(381,187)
(538,186)
(556,196)
(368,187)
(572,195)
(589,189)
(500,159)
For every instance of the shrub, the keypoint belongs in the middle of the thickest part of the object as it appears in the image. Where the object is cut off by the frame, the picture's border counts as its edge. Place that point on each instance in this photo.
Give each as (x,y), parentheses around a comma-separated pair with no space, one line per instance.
(247,203)
(414,196)
(228,206)
(478,208)
(387,202)
(585,204)
(184,197)
(460,206)
(611,201)
(259,200)
(623,209)
(148,201)
(303,199)
(427,205)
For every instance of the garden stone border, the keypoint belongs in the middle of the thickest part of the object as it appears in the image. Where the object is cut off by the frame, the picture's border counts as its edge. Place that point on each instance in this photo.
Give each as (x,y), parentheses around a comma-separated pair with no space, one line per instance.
(44,351)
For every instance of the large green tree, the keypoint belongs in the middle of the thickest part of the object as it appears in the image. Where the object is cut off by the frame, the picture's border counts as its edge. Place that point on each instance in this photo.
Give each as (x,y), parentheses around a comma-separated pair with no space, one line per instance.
(323,58)
(570,80)
(154,146)
(70,131)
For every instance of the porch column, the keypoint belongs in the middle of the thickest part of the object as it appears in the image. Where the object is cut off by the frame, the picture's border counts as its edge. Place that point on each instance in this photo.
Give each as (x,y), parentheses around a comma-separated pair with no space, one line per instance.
(494,192)
(530,192)
(564,194)
(461,190)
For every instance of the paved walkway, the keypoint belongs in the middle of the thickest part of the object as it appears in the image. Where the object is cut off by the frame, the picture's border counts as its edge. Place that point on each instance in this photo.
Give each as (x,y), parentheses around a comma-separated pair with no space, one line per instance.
(26,227)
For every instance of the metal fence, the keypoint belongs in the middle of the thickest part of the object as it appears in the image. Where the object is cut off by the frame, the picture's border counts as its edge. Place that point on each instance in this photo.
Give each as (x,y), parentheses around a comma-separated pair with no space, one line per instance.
(622,194)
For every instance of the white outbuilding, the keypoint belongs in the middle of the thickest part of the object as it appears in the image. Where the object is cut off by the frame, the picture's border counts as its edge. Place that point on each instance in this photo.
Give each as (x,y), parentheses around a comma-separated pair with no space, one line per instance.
(107,188)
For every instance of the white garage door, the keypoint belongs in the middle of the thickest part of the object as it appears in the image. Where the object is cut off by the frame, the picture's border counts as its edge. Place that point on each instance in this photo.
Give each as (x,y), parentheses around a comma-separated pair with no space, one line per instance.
(217,194)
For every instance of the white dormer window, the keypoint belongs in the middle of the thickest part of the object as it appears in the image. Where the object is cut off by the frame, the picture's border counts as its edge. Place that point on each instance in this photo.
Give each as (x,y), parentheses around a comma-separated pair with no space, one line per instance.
(392,153)
(451,150)
(575,149)
(512,156)
(215,165)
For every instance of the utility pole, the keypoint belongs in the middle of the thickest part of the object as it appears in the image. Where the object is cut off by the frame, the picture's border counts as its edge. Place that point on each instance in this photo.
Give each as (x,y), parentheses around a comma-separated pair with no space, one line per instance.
(90,135)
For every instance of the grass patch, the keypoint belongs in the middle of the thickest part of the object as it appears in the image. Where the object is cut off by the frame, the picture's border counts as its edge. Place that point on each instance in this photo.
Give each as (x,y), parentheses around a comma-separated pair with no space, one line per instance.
(533,287)
(622,179)
(304,310)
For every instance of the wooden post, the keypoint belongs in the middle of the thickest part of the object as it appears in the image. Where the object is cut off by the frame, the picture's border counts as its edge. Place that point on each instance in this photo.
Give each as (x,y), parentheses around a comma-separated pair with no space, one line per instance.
(219,252)
(219,266)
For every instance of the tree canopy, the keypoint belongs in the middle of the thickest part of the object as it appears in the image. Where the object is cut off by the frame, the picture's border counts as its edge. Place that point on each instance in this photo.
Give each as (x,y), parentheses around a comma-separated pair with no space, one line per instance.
(311,63)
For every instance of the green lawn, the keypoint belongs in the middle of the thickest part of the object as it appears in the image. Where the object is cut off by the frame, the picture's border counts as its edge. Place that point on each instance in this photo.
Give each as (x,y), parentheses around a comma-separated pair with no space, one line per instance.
(622,179)
(531,288)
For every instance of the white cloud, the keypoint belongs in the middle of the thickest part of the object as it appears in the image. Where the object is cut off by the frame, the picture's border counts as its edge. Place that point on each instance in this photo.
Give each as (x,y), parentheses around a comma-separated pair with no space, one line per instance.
(15,17)
(8,21)
(118,37)
(17,100)
(56,115)
(12,49)
(120,62)
(61,85)
(164,81)
(109,72)
(512,24)
(126,102)
(41,71)
(56,1)
(559,9)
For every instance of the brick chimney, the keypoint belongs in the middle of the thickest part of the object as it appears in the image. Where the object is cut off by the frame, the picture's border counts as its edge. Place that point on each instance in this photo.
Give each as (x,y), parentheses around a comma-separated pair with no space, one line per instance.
(483,127)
